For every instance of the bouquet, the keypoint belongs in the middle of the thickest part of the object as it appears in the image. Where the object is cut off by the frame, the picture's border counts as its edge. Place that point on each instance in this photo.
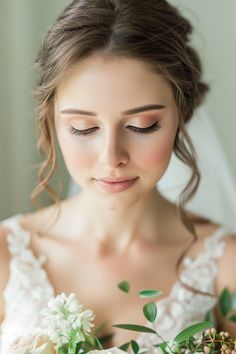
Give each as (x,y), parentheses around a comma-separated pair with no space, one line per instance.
(67,330)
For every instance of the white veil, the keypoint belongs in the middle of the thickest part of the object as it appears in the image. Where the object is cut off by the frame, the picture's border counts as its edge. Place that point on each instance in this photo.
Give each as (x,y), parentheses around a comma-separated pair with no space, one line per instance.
(215,198)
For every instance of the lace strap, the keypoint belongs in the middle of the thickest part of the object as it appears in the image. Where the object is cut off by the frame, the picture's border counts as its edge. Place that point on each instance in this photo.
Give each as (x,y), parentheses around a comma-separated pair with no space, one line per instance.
(215,244)
(18,239)
(213,248)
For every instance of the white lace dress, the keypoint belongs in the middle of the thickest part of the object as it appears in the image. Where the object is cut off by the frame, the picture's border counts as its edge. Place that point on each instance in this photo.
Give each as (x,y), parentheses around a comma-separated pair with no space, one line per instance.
(28,289)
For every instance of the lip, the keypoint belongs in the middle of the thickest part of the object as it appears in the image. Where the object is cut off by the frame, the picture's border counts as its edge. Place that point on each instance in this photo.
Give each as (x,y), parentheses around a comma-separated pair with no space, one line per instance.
(115,187)
(115,179)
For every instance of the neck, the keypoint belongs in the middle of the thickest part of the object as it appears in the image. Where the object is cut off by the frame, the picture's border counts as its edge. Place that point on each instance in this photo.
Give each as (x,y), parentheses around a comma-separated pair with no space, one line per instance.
(145,220)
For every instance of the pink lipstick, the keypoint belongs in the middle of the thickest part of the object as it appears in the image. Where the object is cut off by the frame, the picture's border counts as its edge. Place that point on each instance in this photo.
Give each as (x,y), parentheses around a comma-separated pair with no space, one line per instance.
(115,185)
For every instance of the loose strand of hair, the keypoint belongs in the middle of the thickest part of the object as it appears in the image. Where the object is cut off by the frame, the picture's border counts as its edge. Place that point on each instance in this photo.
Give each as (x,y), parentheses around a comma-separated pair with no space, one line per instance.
(185,151)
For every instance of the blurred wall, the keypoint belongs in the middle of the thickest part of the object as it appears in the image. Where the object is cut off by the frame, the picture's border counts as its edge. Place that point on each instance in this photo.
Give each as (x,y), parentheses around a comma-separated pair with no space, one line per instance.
(214,36)
(22,25)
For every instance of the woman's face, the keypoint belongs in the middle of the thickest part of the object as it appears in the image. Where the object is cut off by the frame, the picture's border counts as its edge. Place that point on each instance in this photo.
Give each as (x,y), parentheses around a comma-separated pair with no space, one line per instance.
(115,118)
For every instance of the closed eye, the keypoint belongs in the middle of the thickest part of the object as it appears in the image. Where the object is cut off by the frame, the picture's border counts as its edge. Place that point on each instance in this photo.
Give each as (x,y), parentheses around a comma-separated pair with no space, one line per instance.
(147,130)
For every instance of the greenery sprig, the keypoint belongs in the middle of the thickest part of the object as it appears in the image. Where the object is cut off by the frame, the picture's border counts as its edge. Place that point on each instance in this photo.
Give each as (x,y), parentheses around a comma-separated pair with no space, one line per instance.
(198,338)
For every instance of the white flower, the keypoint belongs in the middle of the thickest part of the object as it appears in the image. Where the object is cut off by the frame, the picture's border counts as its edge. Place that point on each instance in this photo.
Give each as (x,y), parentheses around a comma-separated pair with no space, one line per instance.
(36,344)
(84,321)
(65,320)
(62,307)
(113,350)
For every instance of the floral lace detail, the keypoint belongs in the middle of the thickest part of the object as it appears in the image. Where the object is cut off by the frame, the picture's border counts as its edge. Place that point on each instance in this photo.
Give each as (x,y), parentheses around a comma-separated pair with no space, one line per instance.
(183,307)
(29,290)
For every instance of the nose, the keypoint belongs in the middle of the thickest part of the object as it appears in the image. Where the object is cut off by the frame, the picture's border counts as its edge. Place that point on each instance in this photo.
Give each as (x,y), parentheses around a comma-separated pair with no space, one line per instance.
(113,153)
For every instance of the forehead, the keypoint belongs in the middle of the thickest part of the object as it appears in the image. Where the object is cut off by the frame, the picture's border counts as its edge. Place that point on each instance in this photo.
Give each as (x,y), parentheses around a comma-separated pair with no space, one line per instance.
(99,80)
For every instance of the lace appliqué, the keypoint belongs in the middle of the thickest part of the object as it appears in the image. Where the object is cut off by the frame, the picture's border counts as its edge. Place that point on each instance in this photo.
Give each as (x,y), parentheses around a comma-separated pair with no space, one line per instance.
(28,289)
(184,307)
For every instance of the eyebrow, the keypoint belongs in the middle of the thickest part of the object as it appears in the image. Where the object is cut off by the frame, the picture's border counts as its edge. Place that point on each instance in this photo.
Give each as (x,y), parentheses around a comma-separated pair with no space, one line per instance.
(145,108)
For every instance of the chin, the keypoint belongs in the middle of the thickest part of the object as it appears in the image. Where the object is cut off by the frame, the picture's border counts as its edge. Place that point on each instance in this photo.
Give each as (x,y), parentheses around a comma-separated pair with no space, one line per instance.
(118,201)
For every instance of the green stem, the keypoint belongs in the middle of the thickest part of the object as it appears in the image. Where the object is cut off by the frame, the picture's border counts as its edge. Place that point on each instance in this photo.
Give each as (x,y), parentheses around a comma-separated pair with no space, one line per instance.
(72,348)
(163,340)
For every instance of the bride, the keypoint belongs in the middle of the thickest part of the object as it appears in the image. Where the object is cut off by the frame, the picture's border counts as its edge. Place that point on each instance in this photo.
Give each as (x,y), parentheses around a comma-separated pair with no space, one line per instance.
(118,82)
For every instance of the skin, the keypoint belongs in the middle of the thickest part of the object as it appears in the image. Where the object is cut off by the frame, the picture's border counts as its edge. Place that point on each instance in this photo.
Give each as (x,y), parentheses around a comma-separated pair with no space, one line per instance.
(109,237)
(116,85)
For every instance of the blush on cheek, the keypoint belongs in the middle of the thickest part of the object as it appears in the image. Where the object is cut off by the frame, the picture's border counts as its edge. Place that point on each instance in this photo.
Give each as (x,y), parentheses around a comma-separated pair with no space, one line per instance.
(157,155)
(76,160)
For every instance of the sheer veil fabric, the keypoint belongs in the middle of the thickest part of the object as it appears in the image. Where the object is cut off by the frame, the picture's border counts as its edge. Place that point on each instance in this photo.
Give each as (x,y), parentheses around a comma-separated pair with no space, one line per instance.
(215,198)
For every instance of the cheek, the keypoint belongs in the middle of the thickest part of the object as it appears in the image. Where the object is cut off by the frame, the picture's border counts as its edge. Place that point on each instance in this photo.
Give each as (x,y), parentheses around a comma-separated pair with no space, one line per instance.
(77,159)
(156,154)
(77,156)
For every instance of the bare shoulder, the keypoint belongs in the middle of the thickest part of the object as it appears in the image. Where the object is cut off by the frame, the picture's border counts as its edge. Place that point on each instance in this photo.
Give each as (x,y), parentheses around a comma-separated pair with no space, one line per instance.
(37,221)
(49,221)
(4,266)
(204,230)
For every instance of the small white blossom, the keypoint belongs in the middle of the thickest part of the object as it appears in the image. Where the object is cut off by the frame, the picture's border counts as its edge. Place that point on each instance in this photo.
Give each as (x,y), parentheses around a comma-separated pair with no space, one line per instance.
(85,320)
(65,320)
(113,350)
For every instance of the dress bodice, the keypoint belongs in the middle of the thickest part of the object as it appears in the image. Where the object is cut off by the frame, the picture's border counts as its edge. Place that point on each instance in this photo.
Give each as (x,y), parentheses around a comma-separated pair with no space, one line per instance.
(29,289)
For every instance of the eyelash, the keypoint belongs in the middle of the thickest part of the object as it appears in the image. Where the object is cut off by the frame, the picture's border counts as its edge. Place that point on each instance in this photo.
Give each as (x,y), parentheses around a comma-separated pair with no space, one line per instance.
(147,130)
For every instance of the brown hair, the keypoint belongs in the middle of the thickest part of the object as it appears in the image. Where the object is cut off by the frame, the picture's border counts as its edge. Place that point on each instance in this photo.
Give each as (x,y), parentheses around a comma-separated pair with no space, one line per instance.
(151,31)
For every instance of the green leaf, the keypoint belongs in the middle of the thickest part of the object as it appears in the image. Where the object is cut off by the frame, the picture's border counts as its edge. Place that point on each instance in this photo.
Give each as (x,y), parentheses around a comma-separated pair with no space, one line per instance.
(124,346)
(147,293)
(232,318)
(191,330)
(136,328)
(150,311)
(124,286)
(162,346)
(225,302)
(210,316)
(233,301)
(99,344)
(63,349)
(78,347)
(135,346)
(105,338)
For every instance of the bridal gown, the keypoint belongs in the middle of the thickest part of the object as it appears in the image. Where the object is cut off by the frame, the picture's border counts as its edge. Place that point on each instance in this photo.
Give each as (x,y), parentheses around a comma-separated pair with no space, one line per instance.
(29,289)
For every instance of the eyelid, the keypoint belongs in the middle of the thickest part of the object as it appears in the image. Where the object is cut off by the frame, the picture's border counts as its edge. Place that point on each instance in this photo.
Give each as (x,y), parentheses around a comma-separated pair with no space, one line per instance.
(129,125)
(146,130)
(149,129)
(146,127)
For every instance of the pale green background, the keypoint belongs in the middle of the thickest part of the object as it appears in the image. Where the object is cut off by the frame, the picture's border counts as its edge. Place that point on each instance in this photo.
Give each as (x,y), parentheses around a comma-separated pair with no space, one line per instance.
(22,24)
